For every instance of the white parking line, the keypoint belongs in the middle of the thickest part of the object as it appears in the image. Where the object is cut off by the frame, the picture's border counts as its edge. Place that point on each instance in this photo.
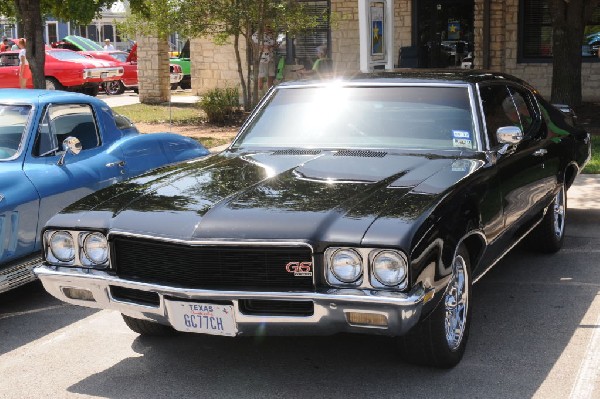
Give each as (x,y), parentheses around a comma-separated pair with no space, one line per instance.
(588,377)
(7,315)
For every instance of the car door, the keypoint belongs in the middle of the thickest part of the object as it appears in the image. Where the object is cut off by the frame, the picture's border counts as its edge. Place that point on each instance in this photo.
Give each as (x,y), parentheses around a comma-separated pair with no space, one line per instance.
(9,70)
(95,167)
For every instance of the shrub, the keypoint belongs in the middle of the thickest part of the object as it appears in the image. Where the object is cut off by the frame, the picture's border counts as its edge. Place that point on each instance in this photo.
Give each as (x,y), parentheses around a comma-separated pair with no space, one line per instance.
(221,105)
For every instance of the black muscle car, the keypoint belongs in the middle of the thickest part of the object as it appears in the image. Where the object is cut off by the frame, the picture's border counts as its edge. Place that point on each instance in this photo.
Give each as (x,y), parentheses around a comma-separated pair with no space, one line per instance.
(367,204)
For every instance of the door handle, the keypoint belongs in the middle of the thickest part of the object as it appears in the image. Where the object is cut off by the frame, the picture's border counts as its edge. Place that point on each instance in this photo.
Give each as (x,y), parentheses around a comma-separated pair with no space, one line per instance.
(120,164)
(540,153)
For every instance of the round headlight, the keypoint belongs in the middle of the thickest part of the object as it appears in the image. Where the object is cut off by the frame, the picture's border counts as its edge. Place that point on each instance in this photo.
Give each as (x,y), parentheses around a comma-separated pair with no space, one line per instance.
(62,246)
(346,265)
(95,248)
(389,268)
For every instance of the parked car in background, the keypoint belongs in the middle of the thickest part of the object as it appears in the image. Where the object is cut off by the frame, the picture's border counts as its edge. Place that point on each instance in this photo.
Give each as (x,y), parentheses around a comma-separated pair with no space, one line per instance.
(64,70)
(183,60)
(128,60)
(56,147)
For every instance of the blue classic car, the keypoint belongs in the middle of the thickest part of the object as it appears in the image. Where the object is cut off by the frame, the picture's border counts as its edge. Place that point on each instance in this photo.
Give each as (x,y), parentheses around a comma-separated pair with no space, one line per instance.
(56,147)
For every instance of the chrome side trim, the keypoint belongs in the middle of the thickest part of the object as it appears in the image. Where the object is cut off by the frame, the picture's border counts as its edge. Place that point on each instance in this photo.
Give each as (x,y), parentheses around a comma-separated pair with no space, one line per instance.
(19,273)
(511,247)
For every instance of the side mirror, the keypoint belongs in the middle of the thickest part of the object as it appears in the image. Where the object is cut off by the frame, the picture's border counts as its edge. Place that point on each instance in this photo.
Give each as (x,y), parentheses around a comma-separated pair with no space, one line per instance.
(509,135)
(70,145)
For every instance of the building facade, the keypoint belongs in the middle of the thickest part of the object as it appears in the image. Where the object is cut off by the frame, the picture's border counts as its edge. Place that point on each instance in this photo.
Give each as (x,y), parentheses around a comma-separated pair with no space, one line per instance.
(511,36)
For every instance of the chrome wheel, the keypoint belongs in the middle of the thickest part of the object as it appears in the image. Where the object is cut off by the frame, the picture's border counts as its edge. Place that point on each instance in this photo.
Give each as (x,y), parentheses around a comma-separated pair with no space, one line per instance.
(456,303)
(50,85)
(559,213)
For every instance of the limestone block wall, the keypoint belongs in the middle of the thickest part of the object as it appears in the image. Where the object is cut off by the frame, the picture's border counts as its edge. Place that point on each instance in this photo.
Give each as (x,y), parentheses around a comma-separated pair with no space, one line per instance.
(215,65)
(504,44)
(345,41)
(153,70)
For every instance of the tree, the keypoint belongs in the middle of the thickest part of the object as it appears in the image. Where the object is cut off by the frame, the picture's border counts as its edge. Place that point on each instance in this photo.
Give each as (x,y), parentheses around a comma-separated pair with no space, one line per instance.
(227,22)
(569,18)
(30,14)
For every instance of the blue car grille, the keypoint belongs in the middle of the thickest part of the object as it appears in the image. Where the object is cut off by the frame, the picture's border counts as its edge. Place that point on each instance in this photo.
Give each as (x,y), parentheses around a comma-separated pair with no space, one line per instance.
(210,267)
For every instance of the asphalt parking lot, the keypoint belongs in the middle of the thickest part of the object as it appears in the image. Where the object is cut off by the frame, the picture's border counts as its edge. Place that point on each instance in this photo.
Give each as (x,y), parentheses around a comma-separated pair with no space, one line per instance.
(535,333)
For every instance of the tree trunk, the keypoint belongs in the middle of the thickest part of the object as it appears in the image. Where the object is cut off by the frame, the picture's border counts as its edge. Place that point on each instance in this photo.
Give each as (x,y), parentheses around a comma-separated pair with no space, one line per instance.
(30,15)
(568,21)
(238,59)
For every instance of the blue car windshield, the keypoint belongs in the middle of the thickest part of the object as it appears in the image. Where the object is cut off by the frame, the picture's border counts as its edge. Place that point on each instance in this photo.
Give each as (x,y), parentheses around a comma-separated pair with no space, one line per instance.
(391,117)
(13,119)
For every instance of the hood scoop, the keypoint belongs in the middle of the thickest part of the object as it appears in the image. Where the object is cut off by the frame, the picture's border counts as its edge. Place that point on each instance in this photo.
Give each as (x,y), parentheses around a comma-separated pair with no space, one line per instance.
(360,153)
(293,151)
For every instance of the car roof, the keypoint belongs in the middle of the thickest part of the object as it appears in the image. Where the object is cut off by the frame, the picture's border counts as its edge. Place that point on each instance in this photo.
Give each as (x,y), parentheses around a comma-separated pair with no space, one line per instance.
(417,76)
(35,96)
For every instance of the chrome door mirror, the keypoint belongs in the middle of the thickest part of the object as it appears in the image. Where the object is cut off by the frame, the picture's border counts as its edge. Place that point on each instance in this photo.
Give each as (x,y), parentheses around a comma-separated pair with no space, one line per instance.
(509,135)
(70,145)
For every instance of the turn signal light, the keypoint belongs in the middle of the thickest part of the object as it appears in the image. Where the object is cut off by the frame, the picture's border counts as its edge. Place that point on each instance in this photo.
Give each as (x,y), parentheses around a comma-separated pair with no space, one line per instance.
(367,319)
(79,294)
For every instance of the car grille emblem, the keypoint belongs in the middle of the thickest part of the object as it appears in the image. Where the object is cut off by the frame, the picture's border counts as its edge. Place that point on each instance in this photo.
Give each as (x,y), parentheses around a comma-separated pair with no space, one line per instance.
(300,269)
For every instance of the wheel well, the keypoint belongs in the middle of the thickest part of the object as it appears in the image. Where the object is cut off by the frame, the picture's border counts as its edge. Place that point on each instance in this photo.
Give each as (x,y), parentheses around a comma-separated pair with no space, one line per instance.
(475,244)
(570,174)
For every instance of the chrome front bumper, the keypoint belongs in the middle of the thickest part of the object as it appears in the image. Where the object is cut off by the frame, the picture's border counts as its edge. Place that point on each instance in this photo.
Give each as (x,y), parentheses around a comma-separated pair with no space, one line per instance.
(331,306)
(175,77)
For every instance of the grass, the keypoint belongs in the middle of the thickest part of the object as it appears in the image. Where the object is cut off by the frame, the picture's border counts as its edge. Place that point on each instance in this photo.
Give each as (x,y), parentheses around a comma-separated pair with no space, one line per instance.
(210,142)
(593,165)
(180,114)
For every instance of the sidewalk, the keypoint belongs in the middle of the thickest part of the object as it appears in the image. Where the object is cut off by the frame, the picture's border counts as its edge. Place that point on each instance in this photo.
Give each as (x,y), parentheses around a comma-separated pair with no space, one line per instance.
(130,97)
(585,192)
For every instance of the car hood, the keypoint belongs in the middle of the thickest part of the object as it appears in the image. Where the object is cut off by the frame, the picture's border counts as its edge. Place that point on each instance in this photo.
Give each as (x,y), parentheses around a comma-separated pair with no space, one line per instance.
(314,196)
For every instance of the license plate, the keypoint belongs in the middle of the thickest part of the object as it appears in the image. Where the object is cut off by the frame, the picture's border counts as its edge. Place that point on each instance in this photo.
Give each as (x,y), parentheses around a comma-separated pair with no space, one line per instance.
(204,318)
(104,75)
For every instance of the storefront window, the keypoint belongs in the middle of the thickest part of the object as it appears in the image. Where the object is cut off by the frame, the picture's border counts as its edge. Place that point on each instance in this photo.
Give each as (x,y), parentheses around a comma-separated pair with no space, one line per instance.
(536,32)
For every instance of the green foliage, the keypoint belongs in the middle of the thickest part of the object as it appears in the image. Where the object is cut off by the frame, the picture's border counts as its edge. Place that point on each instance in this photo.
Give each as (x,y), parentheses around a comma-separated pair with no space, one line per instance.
(593,165)
(221,105)
(77,11)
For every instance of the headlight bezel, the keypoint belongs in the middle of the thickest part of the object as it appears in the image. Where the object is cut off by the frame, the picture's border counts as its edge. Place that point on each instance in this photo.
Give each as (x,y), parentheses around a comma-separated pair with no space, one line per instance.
(80,258)
(333,277)
(377,281)
(368,279)
(52,251)
(85,255)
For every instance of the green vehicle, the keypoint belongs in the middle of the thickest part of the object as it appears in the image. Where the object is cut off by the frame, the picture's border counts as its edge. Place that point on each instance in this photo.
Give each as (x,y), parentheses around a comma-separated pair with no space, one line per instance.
(183,60)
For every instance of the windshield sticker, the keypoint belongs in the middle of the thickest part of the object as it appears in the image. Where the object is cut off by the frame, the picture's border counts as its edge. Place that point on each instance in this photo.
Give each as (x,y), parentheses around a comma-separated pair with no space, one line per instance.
(461,143)
(461,134)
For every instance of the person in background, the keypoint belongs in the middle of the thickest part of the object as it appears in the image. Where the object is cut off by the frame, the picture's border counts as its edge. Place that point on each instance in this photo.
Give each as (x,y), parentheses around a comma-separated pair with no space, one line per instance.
(266,66)
(108,46)
(24,71)
(321,65)
(15,47)
(4,46)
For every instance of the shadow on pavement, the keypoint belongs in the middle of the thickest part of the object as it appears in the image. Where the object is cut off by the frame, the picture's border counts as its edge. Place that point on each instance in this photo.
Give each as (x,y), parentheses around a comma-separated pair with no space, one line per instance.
(525,312)
(29,313)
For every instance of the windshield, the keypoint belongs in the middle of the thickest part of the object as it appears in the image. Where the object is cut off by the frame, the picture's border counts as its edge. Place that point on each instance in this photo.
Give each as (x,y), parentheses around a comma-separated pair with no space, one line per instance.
(13,119)
(120,56)
(400,117)
(66,55)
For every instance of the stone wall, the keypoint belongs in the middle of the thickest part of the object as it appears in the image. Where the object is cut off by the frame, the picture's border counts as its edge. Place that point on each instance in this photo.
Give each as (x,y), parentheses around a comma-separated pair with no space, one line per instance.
(504,44)
(215,65)
(153,70)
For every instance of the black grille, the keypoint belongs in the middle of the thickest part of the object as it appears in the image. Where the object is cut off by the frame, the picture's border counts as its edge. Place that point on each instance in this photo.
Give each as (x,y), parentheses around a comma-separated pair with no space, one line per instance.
(360,153)
(262,307)
(210,267)
(136,296)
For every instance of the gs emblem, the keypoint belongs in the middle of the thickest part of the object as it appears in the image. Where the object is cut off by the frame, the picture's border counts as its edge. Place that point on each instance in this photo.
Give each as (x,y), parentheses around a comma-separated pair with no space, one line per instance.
(300,269)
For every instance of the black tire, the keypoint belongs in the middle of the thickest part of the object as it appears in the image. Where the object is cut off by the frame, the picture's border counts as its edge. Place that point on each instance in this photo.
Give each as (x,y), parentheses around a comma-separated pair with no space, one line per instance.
(53,84)
(174,86)
(91,91)
(431,342)
(185,84)
(549,235)
(147,328)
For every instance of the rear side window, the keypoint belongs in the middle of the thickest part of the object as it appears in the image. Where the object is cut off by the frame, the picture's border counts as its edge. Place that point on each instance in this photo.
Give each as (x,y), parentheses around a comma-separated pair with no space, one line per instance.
(66,120)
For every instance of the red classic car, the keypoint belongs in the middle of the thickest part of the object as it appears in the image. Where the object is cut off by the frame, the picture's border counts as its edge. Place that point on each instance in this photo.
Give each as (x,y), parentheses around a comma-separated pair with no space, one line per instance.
(128,61)
(64,70)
